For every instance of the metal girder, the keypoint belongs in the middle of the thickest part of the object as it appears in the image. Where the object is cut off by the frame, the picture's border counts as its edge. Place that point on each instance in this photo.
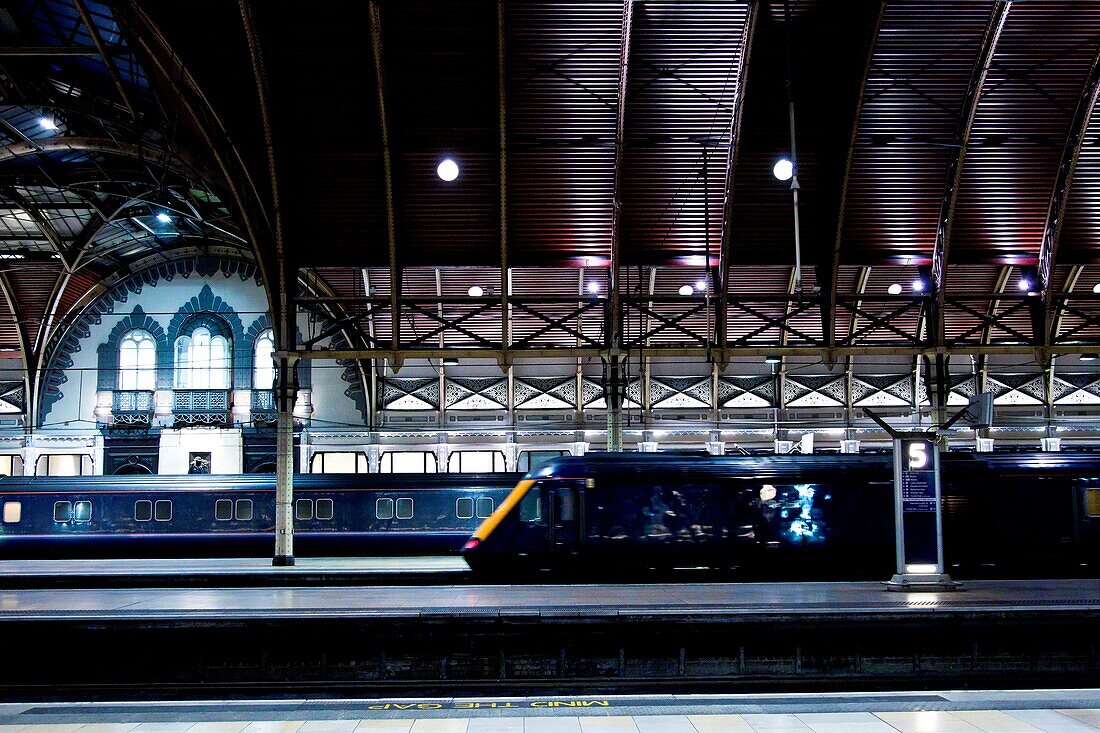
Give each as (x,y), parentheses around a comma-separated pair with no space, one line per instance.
(724,242)
(980,71)
(828,316)
(59,51)
(387,169)
(614,332)
(987,332)
(30,365)
(505,322)
(106,146)
(1071,152)
(108,61)
(43,224)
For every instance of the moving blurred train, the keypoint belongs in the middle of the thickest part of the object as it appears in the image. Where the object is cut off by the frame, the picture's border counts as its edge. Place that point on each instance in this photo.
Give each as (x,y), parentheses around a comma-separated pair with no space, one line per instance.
(213,516)
(790,517)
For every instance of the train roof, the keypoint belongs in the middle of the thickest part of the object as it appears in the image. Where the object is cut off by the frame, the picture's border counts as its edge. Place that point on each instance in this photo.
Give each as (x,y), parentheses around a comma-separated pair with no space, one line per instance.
(258,482)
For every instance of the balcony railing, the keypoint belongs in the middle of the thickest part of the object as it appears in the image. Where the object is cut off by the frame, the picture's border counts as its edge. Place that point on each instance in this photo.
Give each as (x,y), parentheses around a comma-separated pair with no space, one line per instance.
(132,406)
(263,407)
(201,406)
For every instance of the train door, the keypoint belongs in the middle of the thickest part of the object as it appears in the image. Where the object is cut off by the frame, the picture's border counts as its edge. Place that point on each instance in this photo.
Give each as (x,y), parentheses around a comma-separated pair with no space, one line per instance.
(565,515)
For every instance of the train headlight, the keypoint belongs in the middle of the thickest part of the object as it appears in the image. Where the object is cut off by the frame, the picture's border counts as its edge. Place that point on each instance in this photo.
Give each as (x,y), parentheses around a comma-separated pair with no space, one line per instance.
(767,493)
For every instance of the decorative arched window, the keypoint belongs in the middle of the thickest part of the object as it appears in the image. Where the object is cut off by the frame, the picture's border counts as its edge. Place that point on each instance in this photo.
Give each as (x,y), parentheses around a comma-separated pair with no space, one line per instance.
(263,365)
(137,361)
(203,360)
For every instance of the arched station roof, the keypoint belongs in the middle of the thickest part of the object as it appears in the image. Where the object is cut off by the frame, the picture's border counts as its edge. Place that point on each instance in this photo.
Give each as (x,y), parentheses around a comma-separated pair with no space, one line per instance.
(608,151)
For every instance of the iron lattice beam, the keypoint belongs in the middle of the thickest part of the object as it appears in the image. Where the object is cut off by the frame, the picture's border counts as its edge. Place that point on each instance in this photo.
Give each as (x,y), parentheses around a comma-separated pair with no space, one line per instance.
(614,331)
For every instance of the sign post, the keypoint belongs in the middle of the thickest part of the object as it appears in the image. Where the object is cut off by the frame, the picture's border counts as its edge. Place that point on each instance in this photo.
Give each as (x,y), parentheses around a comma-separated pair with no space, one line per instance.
(917,516)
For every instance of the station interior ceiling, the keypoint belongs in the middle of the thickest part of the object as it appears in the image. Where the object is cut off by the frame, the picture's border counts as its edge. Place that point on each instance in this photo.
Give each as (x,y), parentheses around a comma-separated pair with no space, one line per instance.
(616,206)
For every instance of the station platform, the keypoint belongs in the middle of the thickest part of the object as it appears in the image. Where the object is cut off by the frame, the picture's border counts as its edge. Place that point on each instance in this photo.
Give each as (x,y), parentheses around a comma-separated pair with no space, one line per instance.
(1038,711)
(231,572)
(515,638)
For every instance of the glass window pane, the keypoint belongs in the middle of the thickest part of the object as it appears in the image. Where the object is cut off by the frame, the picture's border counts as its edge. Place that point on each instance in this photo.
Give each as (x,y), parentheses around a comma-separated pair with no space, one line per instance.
(334,462)
(324,508)
(464,508)
(13,512)
(223,510)
(1092,502)
(244,510)
(303,509)
(530,509)
(263,370)
(82,511)
(163,510)
(404,508)
(383,508)
(411,462)
(63,465)
(143,510)
(62,511)
(484,506)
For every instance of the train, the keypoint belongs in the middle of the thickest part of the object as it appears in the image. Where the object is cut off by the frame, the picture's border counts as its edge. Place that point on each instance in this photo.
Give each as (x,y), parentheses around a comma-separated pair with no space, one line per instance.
(234,516)
(819,517)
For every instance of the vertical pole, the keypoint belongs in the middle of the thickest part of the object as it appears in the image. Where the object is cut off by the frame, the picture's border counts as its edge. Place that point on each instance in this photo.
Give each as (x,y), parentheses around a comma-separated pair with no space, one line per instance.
(614,392)
(286,392)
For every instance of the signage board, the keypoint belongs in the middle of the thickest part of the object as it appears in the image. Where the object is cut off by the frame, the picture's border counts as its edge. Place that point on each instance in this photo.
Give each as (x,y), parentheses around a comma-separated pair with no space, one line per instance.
(917,506)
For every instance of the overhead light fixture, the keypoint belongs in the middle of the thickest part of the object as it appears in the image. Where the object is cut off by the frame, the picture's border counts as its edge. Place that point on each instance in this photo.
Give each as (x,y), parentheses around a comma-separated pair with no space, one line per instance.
(1088,357)
(918,286)
(1096,288)
(450,361)
(701,286)
(164,218)
(783,169)
(772,359)
(686,290)
(447,169)
(47,124)
(894,289)
(475,292)
(1023,284)
(593,287)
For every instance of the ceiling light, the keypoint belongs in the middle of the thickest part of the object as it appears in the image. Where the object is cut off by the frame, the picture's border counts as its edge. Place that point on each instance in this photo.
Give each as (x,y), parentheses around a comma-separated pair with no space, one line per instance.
(701,286)
(447,169)
(772,359)
(1024,284)
(47,124)
(1096,288)
(450,361)
(1088,357)
(164,218)
(918,286)
(593,287)
(783,169)
(686,290)
(894,289)
(475,292)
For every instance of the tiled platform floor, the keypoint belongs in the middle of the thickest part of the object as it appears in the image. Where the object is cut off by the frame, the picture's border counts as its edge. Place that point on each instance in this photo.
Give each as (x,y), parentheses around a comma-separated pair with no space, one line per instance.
(1049,711)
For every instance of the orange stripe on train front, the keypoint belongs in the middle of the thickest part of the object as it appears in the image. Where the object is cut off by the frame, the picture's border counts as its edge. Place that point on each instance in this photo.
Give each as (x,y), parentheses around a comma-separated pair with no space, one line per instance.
(505,507)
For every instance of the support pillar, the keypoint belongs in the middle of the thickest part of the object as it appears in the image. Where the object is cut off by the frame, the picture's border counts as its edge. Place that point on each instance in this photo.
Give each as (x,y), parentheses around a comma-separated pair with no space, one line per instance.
(286,393)
(614,385)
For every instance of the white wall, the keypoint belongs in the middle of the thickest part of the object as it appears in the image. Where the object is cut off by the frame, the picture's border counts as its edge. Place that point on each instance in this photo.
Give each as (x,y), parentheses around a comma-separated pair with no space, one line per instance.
(223,444)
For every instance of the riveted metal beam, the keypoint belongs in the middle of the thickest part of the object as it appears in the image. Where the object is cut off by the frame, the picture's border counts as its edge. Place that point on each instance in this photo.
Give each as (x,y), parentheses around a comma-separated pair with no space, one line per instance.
(502,129)
(1056,213)
(387,171)
(725,242)
(614,332)
(46,51)
(108,60)
(828,315)
(941,250)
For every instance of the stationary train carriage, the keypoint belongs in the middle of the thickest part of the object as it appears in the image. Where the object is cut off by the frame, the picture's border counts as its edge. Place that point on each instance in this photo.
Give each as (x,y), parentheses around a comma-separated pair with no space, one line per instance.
(199,516)
(789,517)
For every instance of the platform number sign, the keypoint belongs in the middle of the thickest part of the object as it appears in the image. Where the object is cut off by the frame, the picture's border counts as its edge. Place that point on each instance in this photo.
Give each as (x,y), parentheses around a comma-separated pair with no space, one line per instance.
(917,506)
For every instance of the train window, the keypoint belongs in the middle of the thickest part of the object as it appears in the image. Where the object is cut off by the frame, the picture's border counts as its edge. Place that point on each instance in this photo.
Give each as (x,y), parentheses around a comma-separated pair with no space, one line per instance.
(243,510)
(82,511)
(162,510)
(223,510)
(143,510)
(484,506)
(530,509)
(62,511)
(13,512)
(324,509)
(464,508)
(383,508)
(303,509)
(405,508)
(1092,502)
